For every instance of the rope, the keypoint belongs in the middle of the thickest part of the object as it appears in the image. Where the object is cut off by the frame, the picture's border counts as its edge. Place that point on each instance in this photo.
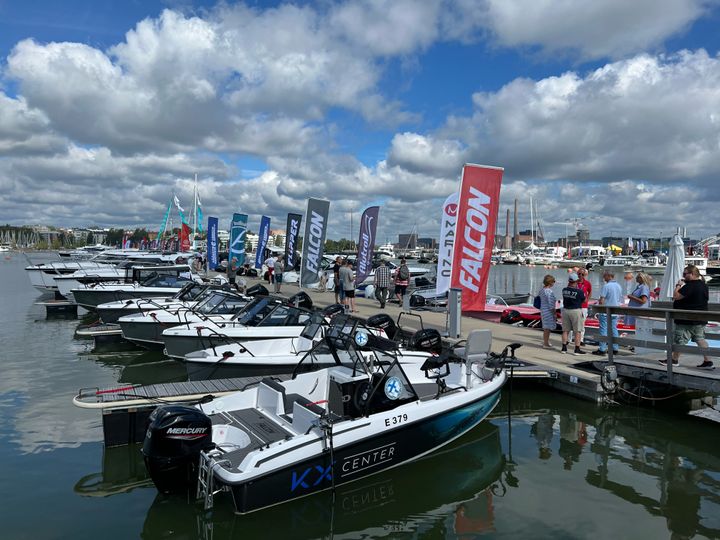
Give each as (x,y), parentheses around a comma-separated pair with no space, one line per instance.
(651,398)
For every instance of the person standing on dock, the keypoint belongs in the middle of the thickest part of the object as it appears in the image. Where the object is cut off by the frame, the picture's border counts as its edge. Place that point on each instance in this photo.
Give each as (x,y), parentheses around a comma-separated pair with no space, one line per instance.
(382,282)
(348,284)
(270,263)
(402,280)
(586,287)
(691,293)
(640,297)
(232,269)
(278,272)
(572,317)
(548,314)
(339,295)
(610,295)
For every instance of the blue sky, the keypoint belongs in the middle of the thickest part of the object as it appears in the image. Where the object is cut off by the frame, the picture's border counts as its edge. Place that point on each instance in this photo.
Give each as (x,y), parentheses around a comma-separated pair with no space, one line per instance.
(605,113)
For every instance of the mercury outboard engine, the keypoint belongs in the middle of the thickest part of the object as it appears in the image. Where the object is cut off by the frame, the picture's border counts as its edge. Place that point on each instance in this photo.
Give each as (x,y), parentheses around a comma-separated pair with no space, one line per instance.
(427,340)
(384,322)
(257,290)
(333,310)
(301,299)
(175,436)
(417,300)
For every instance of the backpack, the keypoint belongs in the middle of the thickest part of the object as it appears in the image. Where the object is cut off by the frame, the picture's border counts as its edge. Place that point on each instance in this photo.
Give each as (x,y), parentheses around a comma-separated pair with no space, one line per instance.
(536,302)
(403,273)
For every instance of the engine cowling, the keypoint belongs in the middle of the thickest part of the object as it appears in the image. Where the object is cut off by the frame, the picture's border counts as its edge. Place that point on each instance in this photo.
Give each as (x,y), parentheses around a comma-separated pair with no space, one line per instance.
(384,322)
(175,436)
(428,340)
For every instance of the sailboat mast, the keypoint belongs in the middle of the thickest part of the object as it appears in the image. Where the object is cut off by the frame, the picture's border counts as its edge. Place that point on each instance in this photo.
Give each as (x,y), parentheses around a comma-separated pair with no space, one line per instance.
(195,201)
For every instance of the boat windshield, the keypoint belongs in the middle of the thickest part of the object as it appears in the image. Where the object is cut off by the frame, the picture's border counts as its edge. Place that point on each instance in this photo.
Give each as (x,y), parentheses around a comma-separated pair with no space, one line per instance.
(221,304)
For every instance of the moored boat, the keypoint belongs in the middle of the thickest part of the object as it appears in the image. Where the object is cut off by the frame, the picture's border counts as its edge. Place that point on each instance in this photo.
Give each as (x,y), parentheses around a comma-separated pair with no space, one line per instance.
(277,441)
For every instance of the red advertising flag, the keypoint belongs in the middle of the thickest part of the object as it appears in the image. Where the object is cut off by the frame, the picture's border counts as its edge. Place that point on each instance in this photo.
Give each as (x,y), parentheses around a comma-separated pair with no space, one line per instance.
(475,233)
(185,237)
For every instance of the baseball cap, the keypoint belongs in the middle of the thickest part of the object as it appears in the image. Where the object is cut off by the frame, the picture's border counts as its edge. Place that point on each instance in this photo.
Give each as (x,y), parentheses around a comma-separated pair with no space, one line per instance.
(573,277)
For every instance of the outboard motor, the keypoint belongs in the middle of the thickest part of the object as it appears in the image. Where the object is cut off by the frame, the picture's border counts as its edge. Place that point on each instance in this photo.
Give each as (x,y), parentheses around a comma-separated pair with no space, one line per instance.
(417,300)
(384,322)
(257,290)
(175,436)
(333,310)
(510,316)
(427,339)
(301,299)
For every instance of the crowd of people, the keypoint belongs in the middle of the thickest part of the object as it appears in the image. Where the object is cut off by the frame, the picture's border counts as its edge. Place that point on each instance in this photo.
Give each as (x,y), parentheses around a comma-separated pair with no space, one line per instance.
(690,293)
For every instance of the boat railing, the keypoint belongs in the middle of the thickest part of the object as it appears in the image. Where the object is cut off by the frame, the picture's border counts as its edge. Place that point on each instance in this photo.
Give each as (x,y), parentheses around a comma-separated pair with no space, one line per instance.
(659,321)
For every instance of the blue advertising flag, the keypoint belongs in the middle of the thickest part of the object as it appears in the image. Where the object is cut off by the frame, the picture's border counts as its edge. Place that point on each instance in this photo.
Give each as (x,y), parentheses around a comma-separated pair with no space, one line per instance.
(238,228)
(263,237)
(366,243)
(212,243)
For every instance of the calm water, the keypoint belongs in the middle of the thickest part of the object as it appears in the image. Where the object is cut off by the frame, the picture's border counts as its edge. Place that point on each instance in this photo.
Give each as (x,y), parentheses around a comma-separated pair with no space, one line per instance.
(555,468)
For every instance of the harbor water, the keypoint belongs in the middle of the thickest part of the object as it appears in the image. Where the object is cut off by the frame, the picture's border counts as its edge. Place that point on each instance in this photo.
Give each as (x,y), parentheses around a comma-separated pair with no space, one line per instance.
(544,465)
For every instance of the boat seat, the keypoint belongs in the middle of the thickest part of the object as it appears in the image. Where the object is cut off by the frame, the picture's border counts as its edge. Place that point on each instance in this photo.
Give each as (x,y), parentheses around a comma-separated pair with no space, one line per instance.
(477,346)
(305,414)
(271,397)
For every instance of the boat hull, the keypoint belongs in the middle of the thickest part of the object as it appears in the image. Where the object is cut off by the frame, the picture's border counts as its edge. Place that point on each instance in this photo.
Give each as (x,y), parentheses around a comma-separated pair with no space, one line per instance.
(91,298)
(361,459)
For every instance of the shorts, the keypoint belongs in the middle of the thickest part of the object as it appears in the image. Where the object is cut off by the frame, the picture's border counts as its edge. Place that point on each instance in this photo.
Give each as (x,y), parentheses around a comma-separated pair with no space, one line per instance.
(350,294)
(400,289)
(687,332)
(572,319)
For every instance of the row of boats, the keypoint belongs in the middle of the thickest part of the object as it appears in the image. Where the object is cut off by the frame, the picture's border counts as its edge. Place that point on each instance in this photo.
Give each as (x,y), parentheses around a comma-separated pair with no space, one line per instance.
(597,258)
(348,398)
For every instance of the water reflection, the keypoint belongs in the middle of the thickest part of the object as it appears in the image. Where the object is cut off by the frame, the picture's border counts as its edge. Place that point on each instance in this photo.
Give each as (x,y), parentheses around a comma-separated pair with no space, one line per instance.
(122,470)
(450,492)
(619,450)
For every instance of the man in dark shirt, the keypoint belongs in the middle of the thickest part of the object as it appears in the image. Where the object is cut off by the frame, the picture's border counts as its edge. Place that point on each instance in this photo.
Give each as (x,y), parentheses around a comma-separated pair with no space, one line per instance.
(572,316)
(339,293)
(691,293)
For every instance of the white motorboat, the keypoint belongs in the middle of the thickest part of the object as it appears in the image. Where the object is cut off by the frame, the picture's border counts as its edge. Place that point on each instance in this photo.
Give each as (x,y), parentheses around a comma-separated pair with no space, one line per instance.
(263,318)
(146,327)
(191,293)
(146,282)
(282,354)
(102,267)
(277,441)
(385,251)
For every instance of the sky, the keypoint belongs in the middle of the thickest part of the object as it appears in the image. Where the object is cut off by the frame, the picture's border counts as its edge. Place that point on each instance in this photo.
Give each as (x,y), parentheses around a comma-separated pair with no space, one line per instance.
(605,114)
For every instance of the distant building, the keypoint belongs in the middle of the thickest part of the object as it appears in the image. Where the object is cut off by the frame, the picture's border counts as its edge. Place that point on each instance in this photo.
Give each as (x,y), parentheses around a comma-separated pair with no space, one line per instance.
(408,241)
(427,243)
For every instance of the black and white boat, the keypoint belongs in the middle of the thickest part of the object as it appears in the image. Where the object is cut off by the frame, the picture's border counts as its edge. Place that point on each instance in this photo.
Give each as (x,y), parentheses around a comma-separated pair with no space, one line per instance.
(146,282)
(281,355)
(189,294)
(265,317)
(277,441)
(145,328)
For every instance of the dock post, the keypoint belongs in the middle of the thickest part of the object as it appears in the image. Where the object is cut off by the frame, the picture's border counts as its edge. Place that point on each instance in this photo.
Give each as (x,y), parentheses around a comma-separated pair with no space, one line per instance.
(455,312)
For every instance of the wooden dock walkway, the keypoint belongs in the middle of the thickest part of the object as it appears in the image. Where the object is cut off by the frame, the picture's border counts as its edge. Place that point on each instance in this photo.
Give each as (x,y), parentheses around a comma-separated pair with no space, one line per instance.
(581,376)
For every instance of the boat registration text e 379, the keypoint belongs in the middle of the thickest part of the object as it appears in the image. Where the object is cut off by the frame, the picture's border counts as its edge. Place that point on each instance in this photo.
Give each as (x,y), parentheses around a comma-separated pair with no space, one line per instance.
(394,420)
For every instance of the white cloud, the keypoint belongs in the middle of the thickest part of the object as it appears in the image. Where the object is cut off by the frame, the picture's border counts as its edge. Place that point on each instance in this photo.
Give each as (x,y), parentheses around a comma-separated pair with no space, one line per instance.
(185,94)
(646,118)
(588,28)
